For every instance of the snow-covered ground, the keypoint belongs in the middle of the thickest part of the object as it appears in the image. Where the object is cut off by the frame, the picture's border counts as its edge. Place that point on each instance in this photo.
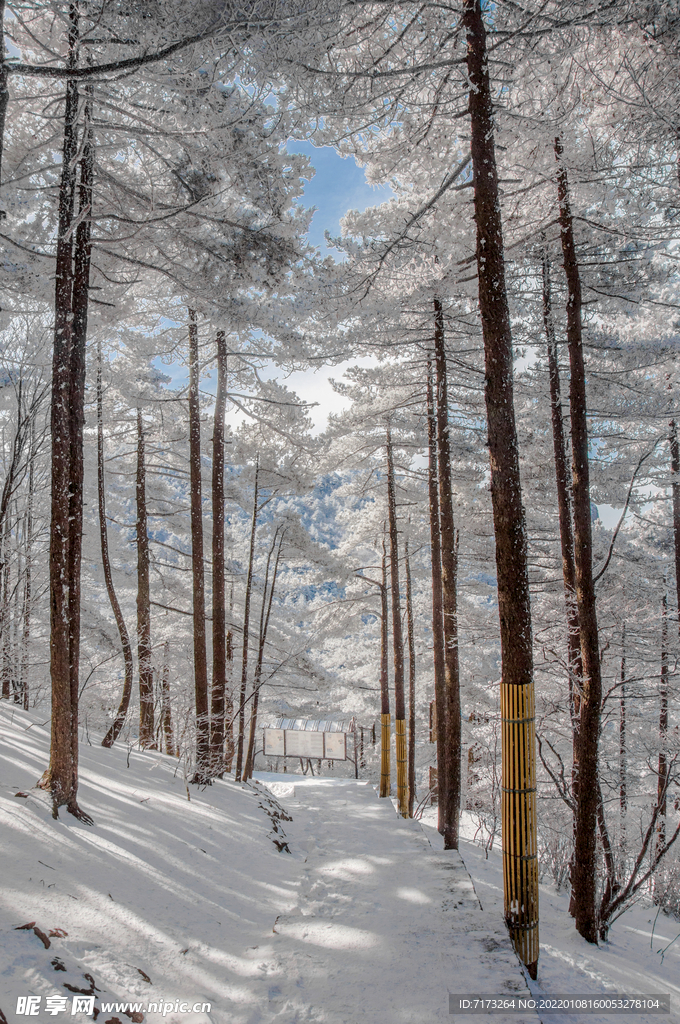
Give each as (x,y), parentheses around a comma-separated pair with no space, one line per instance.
(169,899)
(630,962)
(291,900)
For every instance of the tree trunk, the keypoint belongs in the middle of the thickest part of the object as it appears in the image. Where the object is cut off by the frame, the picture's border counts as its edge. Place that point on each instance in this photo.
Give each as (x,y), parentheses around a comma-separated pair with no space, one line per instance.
(119,720)
(246,629)
(449,556)
(563,505)
(517,686)
(80,299)
(437,603)
(662,778)
(146,696)
(219,676)
(411,686)
(675,477)
(228,693)
(247,770)
(264,627)
(623,753)
(6,561)
(61,776)
(201,770)
(397,637)
(166,710)
(16,613)
(4,86)
(7,686)
(574,661)
(28,574)
(585,845)
(385,781)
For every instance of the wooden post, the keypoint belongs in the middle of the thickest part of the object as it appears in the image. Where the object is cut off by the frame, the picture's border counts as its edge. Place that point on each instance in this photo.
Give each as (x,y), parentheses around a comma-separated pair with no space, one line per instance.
(397,636)
(520,860)
(385,784)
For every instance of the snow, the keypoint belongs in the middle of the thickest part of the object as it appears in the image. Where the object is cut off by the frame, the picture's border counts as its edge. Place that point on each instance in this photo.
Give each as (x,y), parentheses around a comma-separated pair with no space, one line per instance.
(630,962)
(344,914)
(362,920)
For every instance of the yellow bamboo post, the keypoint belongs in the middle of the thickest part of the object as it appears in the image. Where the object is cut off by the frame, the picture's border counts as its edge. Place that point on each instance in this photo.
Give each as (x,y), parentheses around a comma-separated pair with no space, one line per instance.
(385,723)
(397,632)
(402,774)
(520,859)
(385,784)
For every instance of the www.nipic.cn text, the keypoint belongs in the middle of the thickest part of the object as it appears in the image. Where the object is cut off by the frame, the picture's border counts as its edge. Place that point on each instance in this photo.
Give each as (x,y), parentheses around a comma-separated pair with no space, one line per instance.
(31,1006)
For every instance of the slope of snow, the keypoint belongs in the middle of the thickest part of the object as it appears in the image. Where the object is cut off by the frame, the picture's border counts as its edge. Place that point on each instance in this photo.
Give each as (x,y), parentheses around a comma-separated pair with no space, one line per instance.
(630,962)
(167,899)
(181,890)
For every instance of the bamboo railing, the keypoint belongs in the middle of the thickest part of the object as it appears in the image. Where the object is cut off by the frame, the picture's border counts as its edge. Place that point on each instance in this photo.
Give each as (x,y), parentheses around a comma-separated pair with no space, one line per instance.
(520,861)
(385,755)
(402,767)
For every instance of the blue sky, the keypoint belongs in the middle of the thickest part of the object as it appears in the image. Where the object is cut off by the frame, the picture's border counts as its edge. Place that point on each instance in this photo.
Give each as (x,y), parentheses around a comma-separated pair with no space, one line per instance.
(339,185)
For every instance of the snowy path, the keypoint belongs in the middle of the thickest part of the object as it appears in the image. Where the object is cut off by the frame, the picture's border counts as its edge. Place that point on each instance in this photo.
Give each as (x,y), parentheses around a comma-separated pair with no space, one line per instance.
(385,926)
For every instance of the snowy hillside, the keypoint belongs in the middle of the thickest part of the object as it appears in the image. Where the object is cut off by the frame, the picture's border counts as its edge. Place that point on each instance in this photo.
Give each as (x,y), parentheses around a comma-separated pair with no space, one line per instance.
(161,888)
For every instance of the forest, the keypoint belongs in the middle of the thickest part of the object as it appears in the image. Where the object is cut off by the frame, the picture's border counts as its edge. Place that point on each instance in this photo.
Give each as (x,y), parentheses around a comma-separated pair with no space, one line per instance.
(475,561)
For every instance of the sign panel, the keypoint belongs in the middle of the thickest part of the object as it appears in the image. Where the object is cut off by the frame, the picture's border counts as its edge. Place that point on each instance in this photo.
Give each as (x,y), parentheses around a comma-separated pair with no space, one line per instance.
(274,742)
(335,745)
(303,744)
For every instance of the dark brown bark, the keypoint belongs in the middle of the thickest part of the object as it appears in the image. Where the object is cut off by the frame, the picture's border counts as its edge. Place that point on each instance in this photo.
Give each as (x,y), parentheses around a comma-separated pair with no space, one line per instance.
(264,628)
(675,478)
(611,883)
(411,685)
(562,481)
(4,88)
(662,780)
(517,692)
(146,696)
(119,720)
(449,556)
(166,710)
(397,635)
(623,751)
(585,867)
(68,362)
(28,575)
(16,612)
(219,671)
(246,632)
(6,561)
(228,694)
(80,298)
(202,766)
(12,676)
(437,604)
(255,695)
(385,782)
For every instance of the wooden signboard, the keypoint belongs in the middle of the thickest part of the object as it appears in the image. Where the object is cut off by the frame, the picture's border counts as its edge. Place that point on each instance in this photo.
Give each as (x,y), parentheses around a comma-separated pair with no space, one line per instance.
(330,746)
